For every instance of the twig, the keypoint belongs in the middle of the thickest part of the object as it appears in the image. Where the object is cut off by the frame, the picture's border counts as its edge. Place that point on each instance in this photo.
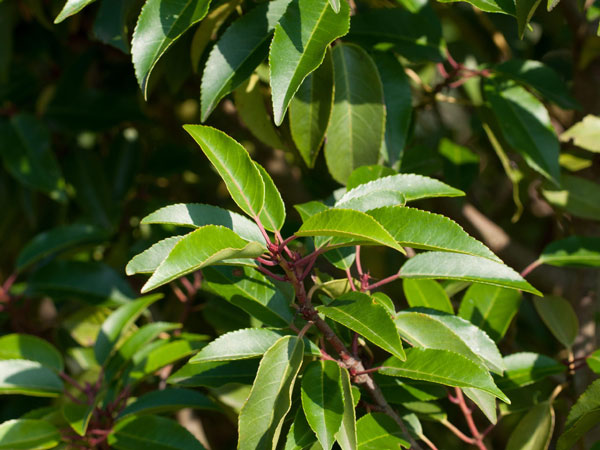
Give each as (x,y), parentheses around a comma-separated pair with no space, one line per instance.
(477,437)
(527,270)
(358,264)
(350,280)
(462,436)
(384,281)
(268,273)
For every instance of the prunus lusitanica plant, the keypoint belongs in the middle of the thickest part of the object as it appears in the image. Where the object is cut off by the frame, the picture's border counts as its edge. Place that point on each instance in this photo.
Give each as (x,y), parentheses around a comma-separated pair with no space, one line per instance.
(299,224)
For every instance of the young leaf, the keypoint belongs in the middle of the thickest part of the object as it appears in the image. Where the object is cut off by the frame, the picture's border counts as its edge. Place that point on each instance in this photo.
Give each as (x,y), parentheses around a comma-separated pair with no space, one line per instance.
(310,111)
(28,434)
(205,246)
(299,44)
(159,25)
(362,314)
(323,400)
(149,260)
(169,399)
(584,415)
(560,318)
(575,251)
(32,348)
(242,178)
(585,134)
(490,308)
(376,431)
(576,195)
(526,368)
(346,436)
(262,415)
(272,214)
(70,8)
(215,374)
(357,123)
(300,435)
(456,266)
(241,48)
(78,416)
(426,293)
(151,432)
(19,376)
(534,431)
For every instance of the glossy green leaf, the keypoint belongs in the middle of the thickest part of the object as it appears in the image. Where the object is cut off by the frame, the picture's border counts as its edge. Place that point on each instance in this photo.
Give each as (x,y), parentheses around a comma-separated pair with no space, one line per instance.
(362,314)
(205,246)
(251,291)
(346,436)
(429,328)
(364,174)
(197,215)
(490,308)
(443,367)
(241,176)
(160,357)
(216,373)
(526,368)
(584,415)
(19,376)
(456,266)
(272,214)
(577,196)
(300,435)
(28,434)
(560,318)
(593,361)
(261,418)
(169,399)
(70,8)
(357,122)
(310,111)
(78,416)
(585,134)
(111,22)
(525,125)
(299,44)
(534,431)
(323,400)
(485,401)
(159,25)
(426,293)
(492,6)
(376,431)
(118,322)
(577,251)
(32,348)
(149,260)
(241,48)
(151,432)
(402,390)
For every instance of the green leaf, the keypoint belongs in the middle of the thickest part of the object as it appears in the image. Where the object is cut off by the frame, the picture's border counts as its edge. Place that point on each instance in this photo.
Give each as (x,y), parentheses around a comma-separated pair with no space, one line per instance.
(364,315)
(525,368)
(197,215)
(490,308)
(525,125)
(84,325)
(251,291)
(399,391)
(560,318)
(241,48)
(492,6)
(346,436)
(71,7)
(215,374)
(28,434)
(261,418)
(19,376)
(585,134)
(78,416)
(461,165)
(310,111)
(205,246)
(272,214)
(149,260)
(241,176)
(151,432)
(541,78)
(443,367)
(575,251)
(534,431)
(584,415)
(525,10)
(576,195)
(169,399)
(32,348)
(348,224)
(159,25)
(376,431)
(323,400)
(364,174)
(300,435)
(485,401)
(456,266)
(57,240)
(299,44)
(117,322)
(160,357)
(111,22)
(357,124)
(426,293)
(593,361)
(429,328)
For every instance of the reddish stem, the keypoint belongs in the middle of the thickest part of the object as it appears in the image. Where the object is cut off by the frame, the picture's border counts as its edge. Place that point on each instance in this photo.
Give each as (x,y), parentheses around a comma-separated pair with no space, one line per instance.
(350,280)
(358,263)
(462,436)
(266,262)
(262,230)
(72,382)
(477,437)
(527,270)
(268,273)
(382,282)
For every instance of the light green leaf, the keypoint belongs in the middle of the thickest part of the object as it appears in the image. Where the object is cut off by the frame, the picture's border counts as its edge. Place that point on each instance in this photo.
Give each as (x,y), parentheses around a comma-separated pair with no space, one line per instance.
(560,318)
(197,215)
(485,401)
(490,308)
(346,436)
(299,44)
(364,174)
(525,368)
(593,361)
(377,431)
(323,400)
(443,367)
(357,125)
(78,416)
(310,111)
(584,415)
(576,251)
(492,6)
(215,374)
(585,134)
(272,214)
(159,25)
(205,246)
(241,176)
(28,434)
(84,324)
(71,7)
(362,314)
(169,399)
(534,431)
(149,260)
(426,293)
(300,435)
(159,357)
(241,48)
(19,376)
(261,418)
(118,322)
(151,432)
(458,266)
(32,348)
(576,196)
(385,301)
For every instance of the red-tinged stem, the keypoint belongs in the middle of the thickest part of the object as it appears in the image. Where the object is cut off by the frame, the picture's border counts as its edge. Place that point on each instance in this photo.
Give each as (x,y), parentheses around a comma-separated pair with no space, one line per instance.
(452,61)
(527,270)
(358,263)
(188,286)
(285,242)
(477,437)
(304,329)
(355,344)
(262,230)
(266,262)
(268,273)
(371,370)
(179,293)
(309,267)
(310,256)
(430,444)
(72,397)
(72,382)
(462,436)
(350,280)
(442,70)
(382,282)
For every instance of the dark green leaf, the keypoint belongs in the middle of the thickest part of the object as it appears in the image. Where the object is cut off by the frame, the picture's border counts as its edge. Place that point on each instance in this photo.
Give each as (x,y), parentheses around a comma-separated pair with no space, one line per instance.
(593,361)
(525,10)
(576,195)
(534,431)
(151,432)
(584,416)
(71,7)
(559,316)
(377,431)
(215,374)
(111,23)
(169,399)
(19,376)
(346,436)
(428,294)
(32,348)
(364,174)
(28,434)
(78,416)
(300,435)
(461,165)
(160,357)
(492,6)
(526,368)
(577,251)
